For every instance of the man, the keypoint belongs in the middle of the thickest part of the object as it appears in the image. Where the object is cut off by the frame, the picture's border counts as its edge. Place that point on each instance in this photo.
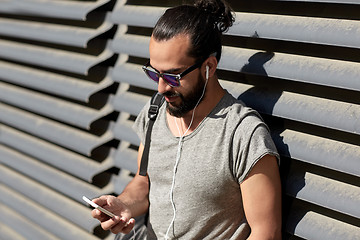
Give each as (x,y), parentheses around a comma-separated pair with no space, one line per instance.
(213,170)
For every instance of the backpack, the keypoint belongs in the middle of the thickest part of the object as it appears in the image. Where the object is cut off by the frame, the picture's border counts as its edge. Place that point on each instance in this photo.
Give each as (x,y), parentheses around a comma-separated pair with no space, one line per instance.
(156,101)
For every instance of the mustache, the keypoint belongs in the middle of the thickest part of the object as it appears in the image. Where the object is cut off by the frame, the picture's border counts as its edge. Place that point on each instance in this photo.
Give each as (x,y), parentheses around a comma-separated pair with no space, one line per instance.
(171,94)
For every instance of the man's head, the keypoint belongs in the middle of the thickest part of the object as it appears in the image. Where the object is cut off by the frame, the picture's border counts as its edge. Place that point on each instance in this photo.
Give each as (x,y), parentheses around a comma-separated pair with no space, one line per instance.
(183,42)
(204,22)
(170,57)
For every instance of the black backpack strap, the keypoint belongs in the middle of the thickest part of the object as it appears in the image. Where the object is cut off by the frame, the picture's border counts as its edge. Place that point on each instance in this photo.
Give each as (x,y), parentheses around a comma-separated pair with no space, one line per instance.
(156,101)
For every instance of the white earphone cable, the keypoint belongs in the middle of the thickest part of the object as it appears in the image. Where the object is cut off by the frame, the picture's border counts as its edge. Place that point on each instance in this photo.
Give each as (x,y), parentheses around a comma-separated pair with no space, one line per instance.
(178,155)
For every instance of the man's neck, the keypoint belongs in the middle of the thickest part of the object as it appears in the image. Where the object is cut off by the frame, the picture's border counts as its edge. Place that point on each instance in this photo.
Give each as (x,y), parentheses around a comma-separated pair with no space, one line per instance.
(212,97)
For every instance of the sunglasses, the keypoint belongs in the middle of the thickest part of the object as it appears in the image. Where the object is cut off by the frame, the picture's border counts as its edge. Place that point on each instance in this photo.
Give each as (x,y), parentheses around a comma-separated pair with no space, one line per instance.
(172,80)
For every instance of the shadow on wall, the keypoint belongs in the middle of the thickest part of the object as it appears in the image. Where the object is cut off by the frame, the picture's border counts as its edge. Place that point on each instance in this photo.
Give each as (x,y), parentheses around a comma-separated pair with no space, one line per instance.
(263,98)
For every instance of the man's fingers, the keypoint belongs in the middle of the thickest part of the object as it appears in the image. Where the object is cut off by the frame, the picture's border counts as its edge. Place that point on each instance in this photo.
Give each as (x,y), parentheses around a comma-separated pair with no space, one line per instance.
(122,225)
(101,201)
(128,226)
(111,223)
(95,213)
(116,224)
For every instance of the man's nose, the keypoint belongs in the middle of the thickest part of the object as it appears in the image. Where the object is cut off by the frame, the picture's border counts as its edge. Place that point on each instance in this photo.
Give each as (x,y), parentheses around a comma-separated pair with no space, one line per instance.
(163,86)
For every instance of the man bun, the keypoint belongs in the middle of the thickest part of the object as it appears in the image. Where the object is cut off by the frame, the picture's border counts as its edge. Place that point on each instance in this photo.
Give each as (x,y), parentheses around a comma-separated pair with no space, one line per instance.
(204,22)
(220,12)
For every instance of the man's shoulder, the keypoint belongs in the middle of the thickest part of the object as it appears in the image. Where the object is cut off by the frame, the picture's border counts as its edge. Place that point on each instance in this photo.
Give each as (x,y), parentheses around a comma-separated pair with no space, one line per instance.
(236,109)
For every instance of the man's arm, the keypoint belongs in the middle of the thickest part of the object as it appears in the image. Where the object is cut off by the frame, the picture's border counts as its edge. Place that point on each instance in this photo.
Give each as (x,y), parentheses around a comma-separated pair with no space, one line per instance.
(135,194)
(132,202)
(261,193)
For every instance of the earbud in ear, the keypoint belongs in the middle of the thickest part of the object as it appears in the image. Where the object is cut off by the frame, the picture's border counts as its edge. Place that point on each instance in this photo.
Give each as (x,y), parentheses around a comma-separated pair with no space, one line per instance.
(207,72)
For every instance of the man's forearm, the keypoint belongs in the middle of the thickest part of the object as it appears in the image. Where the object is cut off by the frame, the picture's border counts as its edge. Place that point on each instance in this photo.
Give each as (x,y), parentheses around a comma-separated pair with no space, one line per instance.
(135,195)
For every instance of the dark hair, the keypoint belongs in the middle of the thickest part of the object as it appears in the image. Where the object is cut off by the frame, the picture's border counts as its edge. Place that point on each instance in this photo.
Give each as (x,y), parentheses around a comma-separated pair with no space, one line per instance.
(204,22)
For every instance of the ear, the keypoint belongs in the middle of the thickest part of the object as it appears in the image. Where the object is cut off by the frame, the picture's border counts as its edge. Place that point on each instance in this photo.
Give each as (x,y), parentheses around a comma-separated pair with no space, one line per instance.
(212,63)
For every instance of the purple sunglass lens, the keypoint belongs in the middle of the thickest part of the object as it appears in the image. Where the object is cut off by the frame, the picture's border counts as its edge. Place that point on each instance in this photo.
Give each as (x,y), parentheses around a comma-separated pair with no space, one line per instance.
(152,75)
(171,80)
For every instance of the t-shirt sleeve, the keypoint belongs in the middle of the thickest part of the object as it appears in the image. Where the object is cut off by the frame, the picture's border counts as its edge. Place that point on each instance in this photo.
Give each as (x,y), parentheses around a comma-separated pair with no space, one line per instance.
(141,123)
(252,141)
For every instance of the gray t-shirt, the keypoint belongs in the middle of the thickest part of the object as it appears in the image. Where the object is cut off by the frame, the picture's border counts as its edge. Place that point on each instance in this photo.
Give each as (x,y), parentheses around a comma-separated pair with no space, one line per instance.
(215,158)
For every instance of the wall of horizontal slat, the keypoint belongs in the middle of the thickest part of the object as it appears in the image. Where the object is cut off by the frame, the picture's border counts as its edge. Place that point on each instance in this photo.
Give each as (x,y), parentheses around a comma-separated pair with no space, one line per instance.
(71,86)
(56,117)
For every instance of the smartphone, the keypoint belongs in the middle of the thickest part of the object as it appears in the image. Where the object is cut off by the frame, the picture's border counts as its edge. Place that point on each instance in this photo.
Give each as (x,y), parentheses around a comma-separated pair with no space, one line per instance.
(94,205)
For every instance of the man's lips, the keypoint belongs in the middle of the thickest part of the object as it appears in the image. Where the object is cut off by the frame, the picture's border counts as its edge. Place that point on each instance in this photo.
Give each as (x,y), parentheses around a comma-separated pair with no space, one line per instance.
(171,98)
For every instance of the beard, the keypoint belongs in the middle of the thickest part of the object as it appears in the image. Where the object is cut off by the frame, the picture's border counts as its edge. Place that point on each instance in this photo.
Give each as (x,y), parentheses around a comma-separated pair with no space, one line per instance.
(188,101)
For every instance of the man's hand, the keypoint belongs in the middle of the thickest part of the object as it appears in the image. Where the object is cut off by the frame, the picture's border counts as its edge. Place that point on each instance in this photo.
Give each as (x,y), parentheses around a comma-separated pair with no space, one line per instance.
(132,202)
(122,222)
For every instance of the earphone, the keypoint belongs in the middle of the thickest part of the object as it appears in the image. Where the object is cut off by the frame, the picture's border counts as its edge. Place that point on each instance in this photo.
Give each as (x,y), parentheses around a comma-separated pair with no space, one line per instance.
(178,154)
(207,72)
